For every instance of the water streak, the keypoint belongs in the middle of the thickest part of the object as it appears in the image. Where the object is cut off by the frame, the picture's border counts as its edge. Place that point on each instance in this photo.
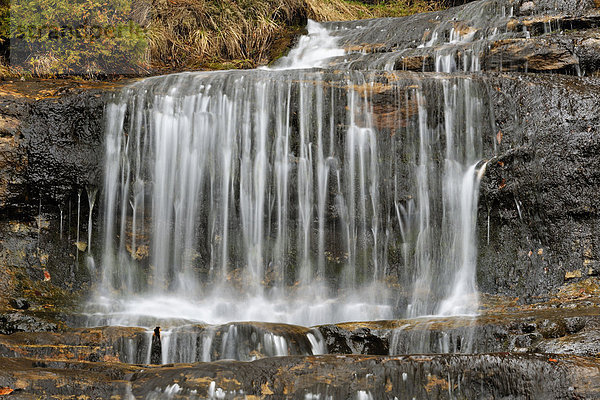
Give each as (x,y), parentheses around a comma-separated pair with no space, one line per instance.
(298,196)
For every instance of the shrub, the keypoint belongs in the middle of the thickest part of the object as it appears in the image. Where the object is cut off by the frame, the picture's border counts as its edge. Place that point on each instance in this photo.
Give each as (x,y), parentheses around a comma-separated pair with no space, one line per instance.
(89,37)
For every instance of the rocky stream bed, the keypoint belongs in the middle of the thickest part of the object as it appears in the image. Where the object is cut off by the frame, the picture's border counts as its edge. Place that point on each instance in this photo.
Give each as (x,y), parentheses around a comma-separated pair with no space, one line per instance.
(537,335)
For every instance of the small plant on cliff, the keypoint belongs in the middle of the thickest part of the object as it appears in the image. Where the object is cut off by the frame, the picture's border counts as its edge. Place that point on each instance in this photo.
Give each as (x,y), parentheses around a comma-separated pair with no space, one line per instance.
(88,37)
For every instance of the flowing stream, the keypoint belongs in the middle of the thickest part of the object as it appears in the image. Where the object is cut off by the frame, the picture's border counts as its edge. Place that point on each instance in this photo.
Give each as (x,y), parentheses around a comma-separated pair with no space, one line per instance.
(291,195)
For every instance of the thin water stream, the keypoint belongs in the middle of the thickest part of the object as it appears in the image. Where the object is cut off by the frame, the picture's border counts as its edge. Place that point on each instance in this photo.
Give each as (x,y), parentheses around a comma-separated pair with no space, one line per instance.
(290,195)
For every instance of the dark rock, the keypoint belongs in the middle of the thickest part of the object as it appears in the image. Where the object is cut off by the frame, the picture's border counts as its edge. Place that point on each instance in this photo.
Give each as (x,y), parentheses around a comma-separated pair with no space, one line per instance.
(586,342)
(530,55)
(19,303)
(359,341)
(528,327)
(552,329)
(539,200)
(574,324)
(528,340)
(17,322)
(64,139)
(50,148)
(367,343)
(336,339)
(523,341)
(156,348)
(334,376)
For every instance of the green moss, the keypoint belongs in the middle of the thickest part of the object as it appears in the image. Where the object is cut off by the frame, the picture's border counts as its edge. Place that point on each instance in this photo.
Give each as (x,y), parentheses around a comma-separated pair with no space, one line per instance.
(57,37)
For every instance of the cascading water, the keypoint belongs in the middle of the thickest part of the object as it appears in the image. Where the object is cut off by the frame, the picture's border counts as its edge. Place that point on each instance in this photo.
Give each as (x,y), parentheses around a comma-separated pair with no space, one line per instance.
(295,196)
(443,45)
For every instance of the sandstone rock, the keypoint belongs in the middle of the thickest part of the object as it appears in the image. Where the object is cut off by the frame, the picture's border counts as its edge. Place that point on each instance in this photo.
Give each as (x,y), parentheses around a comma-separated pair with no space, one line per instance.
(530,55)
(572,274)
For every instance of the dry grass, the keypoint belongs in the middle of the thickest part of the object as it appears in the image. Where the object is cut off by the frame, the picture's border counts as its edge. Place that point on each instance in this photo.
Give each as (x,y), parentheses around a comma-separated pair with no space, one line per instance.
(197,33)
(225,34)
(188,34)
(8,72)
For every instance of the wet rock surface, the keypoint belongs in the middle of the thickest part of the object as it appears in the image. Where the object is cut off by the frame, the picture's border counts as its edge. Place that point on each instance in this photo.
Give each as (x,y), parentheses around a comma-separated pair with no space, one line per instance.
(341,377)
(539,193)
(493,35)
(537,228)
(546,351)
(51,135)
(357,341)
(18,322)
(571,330)
(562,331)
(107,344)
(538,201)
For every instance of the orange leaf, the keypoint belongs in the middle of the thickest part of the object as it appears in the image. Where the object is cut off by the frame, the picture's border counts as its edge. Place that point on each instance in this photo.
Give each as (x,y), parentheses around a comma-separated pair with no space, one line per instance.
(554,360)
(46,276)
(503,184)
(5,390)
(499,137)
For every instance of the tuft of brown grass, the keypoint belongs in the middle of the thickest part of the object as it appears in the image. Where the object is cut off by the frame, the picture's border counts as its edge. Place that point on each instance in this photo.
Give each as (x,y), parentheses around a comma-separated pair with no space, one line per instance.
(8,72)
(196,33)
(193,34)
(227,34)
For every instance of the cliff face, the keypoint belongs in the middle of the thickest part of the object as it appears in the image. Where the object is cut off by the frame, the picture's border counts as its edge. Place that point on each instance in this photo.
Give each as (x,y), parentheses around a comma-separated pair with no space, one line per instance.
(538,217)
(538,204)
(51,135)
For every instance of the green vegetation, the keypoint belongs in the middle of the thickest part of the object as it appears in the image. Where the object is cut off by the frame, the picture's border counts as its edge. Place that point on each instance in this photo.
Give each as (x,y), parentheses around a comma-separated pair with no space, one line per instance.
(84,37)
(4,32)
(177,34)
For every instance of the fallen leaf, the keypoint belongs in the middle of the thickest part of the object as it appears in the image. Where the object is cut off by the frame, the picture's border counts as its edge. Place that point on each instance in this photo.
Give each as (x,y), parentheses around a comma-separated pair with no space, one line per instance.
(5,391)
(503,184)
(499,137)
(554,360)
(46,276)
(266,391)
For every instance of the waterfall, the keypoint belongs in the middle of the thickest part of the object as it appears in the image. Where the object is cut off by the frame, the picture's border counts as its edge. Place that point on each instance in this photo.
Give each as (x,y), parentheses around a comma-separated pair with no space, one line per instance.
(240,341)
(303,196)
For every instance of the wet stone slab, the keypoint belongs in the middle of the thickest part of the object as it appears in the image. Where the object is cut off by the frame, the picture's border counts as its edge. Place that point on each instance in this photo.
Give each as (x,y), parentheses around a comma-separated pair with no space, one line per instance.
(294,377)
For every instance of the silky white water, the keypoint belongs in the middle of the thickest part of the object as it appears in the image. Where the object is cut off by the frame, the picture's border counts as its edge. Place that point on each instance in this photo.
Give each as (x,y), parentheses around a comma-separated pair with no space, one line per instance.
(290,195)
